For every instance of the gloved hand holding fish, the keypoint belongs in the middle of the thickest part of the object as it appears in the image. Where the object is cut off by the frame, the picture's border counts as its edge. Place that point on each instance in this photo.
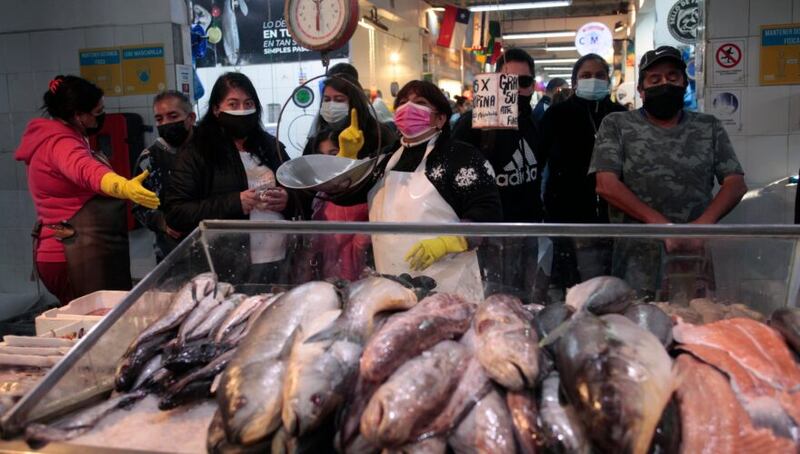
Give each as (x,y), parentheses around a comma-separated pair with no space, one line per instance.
(375,365)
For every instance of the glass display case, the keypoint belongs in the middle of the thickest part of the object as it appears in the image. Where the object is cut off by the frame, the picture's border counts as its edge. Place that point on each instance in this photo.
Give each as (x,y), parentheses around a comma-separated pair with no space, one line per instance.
(753,266)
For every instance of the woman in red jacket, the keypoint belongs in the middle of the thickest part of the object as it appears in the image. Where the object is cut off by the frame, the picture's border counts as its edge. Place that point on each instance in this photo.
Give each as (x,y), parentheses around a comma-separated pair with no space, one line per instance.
(81,237)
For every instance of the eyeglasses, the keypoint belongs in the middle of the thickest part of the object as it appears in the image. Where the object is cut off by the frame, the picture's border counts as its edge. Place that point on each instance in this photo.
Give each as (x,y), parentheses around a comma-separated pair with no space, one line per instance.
(525,81)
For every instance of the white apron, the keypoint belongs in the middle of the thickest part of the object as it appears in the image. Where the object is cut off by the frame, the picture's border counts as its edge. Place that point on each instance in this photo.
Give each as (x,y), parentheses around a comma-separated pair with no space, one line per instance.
(264,247)
(410,197)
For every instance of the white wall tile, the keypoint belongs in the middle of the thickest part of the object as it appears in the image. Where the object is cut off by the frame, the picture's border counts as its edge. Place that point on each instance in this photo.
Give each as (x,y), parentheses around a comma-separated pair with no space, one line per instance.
(131,102)
(796,11)
(764,12)
(128,35)
(45,49)
(178,12)
(3,94)
(9,206)
(767,159)
(794,109)
(22,176)
(766,110)
(728,18)
(19,121)
(22,94)
(160,33)
(41,82)
(98,36)
(6,133)
(8,171)
(69,42)
(17,52)
(753,61)
(794,153)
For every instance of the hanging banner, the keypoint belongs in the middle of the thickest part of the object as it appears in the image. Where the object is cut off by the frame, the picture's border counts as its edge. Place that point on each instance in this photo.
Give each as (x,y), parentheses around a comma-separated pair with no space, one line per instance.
(729,62)
(249,32)
(780,54)
(726,105)
(494,101)
(102,67)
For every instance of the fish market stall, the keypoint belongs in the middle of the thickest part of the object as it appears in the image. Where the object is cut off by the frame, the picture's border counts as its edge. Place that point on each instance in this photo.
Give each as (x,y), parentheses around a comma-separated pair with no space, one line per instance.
(200,357)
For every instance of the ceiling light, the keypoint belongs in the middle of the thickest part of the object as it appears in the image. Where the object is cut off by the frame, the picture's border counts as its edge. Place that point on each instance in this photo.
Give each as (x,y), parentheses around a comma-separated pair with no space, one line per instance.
(556,60)
(515,6)
(563,76)
(540,35)
(560,48)
(437,9)
(619,26)
(557,68)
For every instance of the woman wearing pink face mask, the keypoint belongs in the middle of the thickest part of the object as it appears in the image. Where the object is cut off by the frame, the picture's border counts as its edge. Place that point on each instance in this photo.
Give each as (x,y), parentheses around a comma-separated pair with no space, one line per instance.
(428,177)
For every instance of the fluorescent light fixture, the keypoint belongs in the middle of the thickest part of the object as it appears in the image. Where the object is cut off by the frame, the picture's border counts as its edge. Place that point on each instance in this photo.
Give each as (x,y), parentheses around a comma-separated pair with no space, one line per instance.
(556,61)
(557,68)
(437,9)
(563,76)
(366,24)
(540,35)
(560,48)
(523,5)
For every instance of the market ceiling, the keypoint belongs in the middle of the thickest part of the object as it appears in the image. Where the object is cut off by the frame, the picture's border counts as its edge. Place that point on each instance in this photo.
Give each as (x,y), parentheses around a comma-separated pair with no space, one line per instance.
(578,8)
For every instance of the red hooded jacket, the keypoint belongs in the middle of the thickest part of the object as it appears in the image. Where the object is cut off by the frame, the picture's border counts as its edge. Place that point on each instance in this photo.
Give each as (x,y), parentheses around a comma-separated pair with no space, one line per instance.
(62,176)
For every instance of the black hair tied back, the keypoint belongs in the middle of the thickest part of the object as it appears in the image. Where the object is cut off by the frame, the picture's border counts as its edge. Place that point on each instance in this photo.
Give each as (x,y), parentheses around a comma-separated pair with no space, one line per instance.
(68,95)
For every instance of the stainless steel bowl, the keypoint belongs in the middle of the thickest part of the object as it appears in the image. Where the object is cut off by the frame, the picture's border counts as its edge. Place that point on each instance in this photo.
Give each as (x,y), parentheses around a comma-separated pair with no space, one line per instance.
(323,173)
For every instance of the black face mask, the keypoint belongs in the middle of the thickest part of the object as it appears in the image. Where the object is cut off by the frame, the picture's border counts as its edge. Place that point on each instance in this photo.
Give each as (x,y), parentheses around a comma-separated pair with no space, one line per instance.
(664,101)
(524,105)
(238,126)
(100,119)
(174,134)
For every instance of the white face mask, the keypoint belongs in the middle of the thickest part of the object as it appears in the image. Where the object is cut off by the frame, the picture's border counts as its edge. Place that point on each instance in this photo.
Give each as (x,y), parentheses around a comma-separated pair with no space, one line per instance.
(592,89)
(334,112)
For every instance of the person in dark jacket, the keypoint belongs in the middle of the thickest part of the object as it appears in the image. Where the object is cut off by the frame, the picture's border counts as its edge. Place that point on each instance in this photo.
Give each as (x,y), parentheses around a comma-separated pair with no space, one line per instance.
(553,88)
(427,176)
(228,172)
(175,120)
(567,138)
(510,265)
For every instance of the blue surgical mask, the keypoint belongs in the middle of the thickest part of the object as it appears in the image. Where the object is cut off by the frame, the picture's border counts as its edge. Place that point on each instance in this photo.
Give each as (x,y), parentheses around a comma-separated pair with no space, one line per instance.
(592,89)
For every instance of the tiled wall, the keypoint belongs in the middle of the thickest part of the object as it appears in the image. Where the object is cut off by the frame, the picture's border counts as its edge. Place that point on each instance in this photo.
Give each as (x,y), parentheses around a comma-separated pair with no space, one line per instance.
(38,40)
(768,144)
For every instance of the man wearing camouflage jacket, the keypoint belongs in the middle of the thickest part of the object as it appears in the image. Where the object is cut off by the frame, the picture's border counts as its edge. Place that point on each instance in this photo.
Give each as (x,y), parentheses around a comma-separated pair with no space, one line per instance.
(657,165)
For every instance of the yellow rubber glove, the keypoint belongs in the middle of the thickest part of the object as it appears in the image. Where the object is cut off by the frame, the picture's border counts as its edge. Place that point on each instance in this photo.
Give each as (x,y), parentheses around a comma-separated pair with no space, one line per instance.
(122,188)
(351,140)
(426,252)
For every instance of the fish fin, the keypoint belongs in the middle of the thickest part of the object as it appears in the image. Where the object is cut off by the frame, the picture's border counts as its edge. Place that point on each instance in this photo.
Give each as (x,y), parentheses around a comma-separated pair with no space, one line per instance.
(556,334)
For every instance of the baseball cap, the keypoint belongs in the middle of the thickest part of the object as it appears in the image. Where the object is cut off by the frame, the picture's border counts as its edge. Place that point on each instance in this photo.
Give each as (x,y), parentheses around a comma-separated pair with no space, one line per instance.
(662,53)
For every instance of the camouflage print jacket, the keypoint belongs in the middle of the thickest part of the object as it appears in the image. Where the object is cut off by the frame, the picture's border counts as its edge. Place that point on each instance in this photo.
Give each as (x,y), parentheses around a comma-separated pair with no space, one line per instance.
(671,170)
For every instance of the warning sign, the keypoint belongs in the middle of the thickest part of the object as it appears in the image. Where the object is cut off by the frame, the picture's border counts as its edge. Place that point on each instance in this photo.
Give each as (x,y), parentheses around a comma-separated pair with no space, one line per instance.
(729,62)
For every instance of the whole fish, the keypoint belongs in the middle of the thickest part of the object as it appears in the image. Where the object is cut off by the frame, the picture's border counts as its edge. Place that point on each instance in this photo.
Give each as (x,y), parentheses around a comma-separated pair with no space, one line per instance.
(787,322)
(551,320)
(653,319)
(307,365)
(487,428)
(250,389)
(198,314)
(182,304)
(145,378)
(216,316)
(473,385)
(217,443)
(508,348)
(601,295)
(413,395)
(524,415)
(619,378)
(71,426)
(406,334)
(179,393)
(192,355)
(240,314)
(349,438)
(134,360)
(562,430)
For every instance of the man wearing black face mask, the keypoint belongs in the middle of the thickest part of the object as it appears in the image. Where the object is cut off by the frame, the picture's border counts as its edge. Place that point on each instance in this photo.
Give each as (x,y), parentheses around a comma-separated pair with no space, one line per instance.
(175,121)
(516,164)
(657,165)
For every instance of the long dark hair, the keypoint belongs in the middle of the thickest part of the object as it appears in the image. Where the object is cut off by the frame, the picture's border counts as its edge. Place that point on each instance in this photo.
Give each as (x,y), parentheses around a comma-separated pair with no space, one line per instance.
(584,59)
(323,134)
(434,96)
(68,95)
(357,100)
(216,146)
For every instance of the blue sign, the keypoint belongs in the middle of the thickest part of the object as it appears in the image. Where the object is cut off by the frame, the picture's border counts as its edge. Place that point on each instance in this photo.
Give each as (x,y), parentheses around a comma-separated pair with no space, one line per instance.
(787,36)
(99,57)
(143,52)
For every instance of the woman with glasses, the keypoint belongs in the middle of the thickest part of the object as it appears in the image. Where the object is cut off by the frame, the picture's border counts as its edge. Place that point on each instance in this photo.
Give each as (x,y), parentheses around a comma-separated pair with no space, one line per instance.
(429,177)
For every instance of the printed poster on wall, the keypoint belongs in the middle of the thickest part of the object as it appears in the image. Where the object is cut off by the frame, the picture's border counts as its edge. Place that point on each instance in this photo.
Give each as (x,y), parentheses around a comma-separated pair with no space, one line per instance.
(780,54)
(143,69)
(102,67)
(727,106)
(494,101)
(249,32)
(729,62)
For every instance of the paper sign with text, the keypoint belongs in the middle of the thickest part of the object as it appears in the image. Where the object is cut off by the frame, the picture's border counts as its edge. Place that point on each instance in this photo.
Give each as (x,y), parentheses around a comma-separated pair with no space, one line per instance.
(494,103)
